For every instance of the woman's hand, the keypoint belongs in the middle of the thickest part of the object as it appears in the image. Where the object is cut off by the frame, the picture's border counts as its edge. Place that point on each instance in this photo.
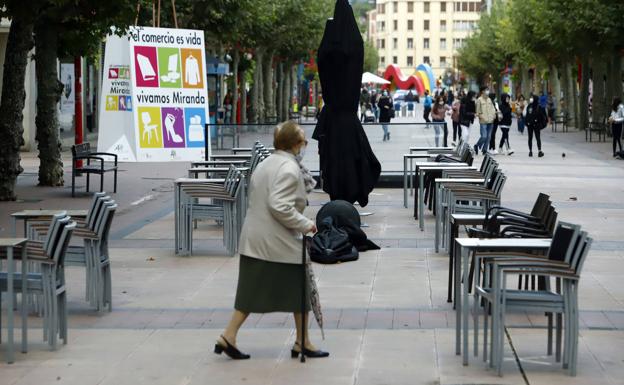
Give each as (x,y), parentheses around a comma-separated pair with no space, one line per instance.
(312,229)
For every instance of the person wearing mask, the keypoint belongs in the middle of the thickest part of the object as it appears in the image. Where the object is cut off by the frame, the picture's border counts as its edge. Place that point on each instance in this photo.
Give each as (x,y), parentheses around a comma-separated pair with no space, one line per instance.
(364,101)
(409,99)
(467,113)
(505,124)
(438,115)
(535,119)
(270,278)
(450,98)
(497,118)
(617,120)
(520,106)
(374,99)
(427,104)
(457,130)
(385,113)
(486,114)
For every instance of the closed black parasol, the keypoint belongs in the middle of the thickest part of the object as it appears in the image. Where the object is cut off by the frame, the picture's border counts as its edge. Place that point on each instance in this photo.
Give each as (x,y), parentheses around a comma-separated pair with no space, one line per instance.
(347,163)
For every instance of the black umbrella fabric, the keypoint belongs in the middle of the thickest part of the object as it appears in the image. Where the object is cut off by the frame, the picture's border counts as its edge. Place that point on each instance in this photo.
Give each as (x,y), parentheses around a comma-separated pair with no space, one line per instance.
(348,165)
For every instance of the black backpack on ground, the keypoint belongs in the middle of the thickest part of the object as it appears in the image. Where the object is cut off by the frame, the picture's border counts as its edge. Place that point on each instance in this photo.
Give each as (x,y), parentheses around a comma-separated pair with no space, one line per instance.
(331,244)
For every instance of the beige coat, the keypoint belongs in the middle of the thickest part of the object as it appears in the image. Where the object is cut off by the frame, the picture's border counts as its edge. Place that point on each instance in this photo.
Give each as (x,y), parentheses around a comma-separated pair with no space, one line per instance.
(274,221)
(485,110)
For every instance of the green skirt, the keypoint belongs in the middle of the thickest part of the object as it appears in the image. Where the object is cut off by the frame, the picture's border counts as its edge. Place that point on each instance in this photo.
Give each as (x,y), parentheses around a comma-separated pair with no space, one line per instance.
(265,287)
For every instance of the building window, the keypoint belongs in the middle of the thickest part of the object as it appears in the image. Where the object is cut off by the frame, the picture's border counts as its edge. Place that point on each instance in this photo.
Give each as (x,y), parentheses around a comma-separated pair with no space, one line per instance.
(443,6)
(383,43)
(382,27)
(383,61)
(394,60)
(442,61)
(395,25)
(443,43)
(410,6)
(395,43)
(457,7)
(426,43)
(410,43)
(426,60)
(442,25)
(395,6)
(410,61)
(426,25)
(410,25)
(464,7)
(458,43)
(472,7)
(426,4)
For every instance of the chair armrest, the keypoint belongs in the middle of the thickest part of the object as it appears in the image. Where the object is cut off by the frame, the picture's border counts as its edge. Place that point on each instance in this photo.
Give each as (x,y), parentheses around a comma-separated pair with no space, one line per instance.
(106,154)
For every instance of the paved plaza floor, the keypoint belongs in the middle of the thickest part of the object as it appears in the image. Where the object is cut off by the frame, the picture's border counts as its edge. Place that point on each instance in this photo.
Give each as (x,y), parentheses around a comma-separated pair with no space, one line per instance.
(387,319)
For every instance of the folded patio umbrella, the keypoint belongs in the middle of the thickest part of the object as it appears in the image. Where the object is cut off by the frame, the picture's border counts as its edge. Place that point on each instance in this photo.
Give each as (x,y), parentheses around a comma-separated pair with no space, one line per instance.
(349,168)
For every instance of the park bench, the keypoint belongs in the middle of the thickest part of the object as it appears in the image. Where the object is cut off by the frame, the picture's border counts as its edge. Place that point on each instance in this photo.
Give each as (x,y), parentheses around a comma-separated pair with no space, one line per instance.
(599,127)
(82,152)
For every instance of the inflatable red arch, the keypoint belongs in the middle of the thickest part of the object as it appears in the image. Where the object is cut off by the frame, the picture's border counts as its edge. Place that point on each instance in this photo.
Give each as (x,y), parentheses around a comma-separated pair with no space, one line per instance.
(393,74)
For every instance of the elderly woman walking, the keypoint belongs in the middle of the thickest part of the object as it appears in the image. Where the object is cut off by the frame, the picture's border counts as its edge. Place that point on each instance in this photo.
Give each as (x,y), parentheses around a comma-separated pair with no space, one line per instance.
(270,277)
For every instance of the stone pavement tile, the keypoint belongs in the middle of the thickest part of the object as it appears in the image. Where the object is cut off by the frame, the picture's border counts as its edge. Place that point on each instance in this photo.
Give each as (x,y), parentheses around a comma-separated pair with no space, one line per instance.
(406,319)
(433,319)
(218,319)
(599,359)
(379,319)
(616,318)
(352,319)
(194,318)
(274,320)
(595,320)
(331,318)
(451,370)
(166,319)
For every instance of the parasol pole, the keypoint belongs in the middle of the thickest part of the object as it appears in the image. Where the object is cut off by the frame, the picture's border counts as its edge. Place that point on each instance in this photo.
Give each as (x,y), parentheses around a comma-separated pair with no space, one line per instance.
(303,296)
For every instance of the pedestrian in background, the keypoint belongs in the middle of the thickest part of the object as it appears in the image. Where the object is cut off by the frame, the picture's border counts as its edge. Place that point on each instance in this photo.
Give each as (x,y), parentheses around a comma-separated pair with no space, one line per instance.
(467,113)
(617,120)
(551,108)
(374,100)
(385,113)
(455,111)
(505,125)
(497,117)
(270,277)
(536,120)
(486,114)
(520,106)
(364,101)
(438,115)
(427,105)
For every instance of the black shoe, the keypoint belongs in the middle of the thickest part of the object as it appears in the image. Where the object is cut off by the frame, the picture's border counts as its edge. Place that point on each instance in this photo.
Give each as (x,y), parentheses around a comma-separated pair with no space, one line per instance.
(230,350)
(308,353)
(530,153)
(540,154)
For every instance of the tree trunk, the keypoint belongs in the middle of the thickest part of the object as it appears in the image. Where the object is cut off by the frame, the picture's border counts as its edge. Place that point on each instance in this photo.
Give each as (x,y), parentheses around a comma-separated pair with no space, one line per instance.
(568,93)
(287,90)
(19,44)
(555,85)
(268,87)
(243,76)
(49,91)
(257,102)
(583,111)
(616,74)
(599,108)
(235,64)
(525,82)
(279,95)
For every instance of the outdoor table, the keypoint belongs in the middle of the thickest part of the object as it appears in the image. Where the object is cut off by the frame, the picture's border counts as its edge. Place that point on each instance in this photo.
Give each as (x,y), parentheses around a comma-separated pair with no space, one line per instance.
(9,244)
(438,184)
(232,156)
(208,170)
(419,198)
(236,150)
(408,182)
(41,215)
(212,163)
(180,236)
(425,148)
(463,248)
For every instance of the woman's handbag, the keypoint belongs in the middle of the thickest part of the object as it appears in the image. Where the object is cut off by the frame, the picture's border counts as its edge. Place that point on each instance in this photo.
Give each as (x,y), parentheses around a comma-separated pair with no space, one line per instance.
(391,113)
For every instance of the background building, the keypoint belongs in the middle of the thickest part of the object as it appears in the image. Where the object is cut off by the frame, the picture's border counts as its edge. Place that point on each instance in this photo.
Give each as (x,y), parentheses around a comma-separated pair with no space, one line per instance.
(410,32)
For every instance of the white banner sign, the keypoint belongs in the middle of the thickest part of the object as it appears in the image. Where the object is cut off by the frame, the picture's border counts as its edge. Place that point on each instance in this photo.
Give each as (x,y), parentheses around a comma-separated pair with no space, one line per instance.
(169,93)
(68,101)
(116,123)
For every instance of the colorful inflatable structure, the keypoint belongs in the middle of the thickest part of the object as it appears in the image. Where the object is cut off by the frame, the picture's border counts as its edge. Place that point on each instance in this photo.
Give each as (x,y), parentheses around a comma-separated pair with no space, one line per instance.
(421,80)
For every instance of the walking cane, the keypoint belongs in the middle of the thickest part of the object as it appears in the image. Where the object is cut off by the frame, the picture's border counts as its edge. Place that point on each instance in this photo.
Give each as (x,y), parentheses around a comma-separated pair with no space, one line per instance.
(303,296)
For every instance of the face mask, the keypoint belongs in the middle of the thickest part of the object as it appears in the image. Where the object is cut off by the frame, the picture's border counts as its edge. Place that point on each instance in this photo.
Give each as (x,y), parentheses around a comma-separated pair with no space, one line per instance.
(441,102)
(385,94)
(531,100)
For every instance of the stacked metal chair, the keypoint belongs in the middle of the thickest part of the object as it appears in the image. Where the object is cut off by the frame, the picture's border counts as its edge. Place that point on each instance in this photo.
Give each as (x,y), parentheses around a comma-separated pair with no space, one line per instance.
(49,283)
(562,264)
